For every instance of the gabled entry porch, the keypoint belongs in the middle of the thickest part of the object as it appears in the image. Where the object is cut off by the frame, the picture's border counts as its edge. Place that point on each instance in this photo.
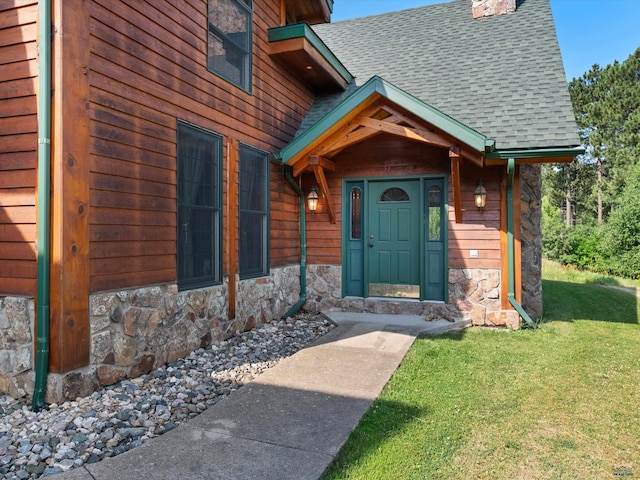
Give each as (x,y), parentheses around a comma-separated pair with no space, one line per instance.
(396,229)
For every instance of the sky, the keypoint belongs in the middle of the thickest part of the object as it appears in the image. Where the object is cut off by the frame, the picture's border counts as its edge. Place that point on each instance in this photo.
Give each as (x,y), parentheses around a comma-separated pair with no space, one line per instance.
(589,31)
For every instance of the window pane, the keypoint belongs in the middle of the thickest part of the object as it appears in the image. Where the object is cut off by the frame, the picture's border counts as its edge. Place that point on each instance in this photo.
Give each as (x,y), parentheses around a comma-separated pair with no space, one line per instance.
(254,212)
(394,194)
(253,243)
(434,213)
(356,214)
(230,17)
(198,228)
(253,184)
(229,40)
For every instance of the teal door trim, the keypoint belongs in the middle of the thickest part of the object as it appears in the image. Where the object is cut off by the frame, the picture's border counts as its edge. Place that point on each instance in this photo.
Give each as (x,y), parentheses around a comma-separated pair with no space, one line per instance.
(435,220)
(364,183)
(353,239)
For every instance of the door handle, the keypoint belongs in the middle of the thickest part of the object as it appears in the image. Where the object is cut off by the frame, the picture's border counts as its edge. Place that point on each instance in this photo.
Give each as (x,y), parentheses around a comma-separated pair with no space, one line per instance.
(370,244)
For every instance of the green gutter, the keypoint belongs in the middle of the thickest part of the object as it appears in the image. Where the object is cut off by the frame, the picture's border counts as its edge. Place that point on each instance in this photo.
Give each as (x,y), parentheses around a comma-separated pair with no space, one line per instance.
(44,206)
(511,167)
(303,244)
(303,30)
(534,153)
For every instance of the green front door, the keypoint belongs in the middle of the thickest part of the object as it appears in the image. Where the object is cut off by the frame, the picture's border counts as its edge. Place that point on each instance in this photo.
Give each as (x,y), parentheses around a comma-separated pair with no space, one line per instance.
(393,239)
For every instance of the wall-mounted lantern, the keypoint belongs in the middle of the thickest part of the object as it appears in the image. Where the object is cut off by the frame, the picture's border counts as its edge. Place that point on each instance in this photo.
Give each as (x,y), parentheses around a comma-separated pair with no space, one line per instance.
(312,200)
(480,195)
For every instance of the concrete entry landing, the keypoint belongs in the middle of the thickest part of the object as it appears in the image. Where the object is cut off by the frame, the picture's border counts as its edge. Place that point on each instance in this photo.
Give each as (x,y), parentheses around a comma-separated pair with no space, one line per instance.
(289,423)
(416,324)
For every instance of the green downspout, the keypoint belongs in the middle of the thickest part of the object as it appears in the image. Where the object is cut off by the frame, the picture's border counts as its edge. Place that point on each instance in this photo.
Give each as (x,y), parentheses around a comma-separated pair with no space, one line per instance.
(511,168)
(44,206)
(303,244)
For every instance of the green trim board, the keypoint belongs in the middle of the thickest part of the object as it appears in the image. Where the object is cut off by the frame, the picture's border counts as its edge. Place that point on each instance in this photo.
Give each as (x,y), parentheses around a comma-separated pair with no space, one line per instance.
(379,86)
(330,5)
(303,30)
(571,151)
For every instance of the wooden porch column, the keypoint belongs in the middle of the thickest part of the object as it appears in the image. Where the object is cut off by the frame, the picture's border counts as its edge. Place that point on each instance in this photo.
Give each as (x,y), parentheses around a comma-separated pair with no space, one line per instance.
(454,155)
(69,314)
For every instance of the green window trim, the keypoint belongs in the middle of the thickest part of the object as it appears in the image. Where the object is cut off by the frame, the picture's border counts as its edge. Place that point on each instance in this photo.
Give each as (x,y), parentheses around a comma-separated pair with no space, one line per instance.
(230,41)
(254,212)
(199,206)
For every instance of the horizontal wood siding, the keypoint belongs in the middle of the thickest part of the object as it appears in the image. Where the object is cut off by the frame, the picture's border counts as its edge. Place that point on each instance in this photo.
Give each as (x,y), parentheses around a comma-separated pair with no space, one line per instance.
(385,156)
(148,68)
(479,230)
(18,147)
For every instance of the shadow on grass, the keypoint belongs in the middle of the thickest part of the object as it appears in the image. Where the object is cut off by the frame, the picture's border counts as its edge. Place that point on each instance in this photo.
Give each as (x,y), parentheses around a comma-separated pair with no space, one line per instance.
(566,301)
(383,421)
(456,335)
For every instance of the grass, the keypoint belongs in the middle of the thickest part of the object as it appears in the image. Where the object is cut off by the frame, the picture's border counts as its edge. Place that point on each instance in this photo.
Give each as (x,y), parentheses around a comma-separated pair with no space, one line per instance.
(555,271)
(560,402)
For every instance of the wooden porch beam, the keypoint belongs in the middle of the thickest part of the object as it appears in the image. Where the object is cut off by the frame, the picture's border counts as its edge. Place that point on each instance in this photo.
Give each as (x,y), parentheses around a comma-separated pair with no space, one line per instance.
(350,138)
(454,155)
(423,136)
(436,139)
(323,162)
(472,156)
(324,188)
(300,167)
(397,117)
(333,132)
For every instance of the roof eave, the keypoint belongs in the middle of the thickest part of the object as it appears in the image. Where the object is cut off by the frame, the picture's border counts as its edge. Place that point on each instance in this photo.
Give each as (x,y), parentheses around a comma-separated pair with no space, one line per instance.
(303,30)
(534,155)
(377,85)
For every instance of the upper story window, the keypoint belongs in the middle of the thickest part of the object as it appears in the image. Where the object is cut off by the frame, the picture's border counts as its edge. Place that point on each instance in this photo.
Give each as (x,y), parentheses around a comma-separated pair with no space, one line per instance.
(229,41)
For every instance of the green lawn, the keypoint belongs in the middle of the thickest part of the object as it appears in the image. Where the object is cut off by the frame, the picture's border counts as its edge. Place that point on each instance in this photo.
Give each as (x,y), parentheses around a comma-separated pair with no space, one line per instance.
(562,401)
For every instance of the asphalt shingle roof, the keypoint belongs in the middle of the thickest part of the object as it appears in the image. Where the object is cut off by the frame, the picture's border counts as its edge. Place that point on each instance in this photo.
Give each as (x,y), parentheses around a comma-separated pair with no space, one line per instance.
(502,76)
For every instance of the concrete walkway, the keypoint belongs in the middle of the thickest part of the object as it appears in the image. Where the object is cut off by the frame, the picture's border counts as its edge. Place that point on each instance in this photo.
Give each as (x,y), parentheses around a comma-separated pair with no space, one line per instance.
(291,421)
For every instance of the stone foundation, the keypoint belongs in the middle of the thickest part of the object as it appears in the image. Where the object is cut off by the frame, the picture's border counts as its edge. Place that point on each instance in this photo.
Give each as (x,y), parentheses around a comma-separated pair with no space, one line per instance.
(474,295)
(261,300)
(16,345)
(135,331)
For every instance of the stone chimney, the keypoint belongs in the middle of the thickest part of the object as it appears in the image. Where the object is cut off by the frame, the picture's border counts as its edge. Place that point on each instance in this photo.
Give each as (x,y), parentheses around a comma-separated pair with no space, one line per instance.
(489,8)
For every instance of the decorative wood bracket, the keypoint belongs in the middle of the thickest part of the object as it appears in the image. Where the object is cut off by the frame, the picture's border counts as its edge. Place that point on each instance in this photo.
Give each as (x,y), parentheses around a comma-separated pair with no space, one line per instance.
(318,170)
(454,155)
(318,164)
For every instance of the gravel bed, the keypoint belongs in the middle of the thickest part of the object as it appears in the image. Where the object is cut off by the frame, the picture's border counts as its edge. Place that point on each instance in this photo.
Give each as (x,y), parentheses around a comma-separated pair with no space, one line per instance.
(124,415)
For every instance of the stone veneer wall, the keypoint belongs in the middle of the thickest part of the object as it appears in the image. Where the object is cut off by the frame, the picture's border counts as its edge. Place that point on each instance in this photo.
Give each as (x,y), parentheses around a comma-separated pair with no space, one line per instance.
(137,330)
(16,345)
(531,239)
(260,300)
(474,295)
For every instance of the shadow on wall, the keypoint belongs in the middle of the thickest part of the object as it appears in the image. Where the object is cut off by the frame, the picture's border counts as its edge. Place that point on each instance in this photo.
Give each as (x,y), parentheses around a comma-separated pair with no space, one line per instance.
(17,261)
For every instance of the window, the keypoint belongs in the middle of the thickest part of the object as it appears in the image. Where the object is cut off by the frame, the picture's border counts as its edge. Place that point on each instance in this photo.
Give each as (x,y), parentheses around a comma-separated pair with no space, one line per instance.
(356,214)
(199,155)
(254,212)
(229,41)
(394,194)
(434,213)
